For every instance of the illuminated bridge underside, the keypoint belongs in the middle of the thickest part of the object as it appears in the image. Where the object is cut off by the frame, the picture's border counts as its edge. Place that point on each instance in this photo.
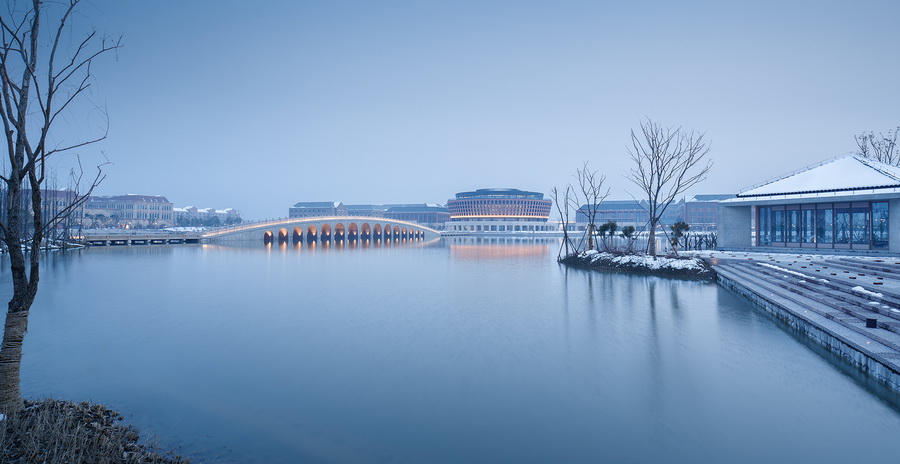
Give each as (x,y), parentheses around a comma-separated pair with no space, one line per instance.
(322,229)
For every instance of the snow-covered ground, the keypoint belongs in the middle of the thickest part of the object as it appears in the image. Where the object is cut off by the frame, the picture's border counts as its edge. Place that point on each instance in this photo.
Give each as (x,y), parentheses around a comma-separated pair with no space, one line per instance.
(645,261)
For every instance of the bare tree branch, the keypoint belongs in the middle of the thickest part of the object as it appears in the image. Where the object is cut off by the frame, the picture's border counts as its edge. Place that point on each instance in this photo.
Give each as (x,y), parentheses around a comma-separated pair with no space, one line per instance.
(34,92)
(667,162)
(591,186)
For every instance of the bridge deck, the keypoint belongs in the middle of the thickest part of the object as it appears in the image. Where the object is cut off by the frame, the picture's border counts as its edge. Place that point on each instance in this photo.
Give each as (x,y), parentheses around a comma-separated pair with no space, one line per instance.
(139,238)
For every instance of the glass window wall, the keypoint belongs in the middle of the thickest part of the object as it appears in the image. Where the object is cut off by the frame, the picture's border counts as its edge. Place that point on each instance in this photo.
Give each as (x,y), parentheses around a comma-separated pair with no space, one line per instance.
(765,226)
(825,226)
(864,225)
(842,225)
(807,226)
(860,226)
(880,224)
(778,226)
(793,225)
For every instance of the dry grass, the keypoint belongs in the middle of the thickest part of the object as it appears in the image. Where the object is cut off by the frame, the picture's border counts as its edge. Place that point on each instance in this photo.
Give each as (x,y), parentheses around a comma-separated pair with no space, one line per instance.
(52,431)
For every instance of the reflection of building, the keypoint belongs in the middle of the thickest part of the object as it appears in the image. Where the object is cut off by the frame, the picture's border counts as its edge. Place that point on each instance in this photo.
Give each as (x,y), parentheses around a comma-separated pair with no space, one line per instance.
(843,203)
(493,248)
(317,209)
(499,211)
(128,211)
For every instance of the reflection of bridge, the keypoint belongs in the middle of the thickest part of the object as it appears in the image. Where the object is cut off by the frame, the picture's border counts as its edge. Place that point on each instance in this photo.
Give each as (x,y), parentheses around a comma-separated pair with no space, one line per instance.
(324,229)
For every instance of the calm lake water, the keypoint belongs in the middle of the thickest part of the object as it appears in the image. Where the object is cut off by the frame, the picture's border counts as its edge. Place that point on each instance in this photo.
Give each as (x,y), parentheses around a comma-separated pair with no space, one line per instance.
(443,352)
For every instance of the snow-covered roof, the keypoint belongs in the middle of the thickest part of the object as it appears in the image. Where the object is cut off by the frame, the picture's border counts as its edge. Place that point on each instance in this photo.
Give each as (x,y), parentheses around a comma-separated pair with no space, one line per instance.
(846,173)
(317,204)
(709,198)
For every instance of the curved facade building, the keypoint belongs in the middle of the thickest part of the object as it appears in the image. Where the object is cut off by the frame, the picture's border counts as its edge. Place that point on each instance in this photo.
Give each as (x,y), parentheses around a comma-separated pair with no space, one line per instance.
(499,210)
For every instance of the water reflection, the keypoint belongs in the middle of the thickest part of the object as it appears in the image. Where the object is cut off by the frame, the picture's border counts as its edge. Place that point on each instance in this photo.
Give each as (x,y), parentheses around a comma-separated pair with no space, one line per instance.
(498,248)
(445,351)
(323,246)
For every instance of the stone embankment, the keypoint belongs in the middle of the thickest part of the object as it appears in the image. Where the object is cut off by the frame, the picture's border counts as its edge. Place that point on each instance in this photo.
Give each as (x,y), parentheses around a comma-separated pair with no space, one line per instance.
(851,306)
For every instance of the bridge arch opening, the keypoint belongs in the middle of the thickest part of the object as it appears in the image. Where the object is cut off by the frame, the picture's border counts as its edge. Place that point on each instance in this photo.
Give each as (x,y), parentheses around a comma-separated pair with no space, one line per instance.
(366,232)
(353,231)
(396,234)
(326,232)
(404,234)
(297,235)
(376,232)
(282,236)
(268,237)
(388,234)
(340,232)
(311,234)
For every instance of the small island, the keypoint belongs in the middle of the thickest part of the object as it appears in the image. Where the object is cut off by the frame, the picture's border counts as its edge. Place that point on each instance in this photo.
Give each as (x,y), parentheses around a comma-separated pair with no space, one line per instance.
(682,267)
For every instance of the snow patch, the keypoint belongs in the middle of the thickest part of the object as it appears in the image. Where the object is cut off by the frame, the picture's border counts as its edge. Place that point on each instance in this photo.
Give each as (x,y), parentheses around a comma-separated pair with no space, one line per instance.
(859,289)
(781,269)
(644,261)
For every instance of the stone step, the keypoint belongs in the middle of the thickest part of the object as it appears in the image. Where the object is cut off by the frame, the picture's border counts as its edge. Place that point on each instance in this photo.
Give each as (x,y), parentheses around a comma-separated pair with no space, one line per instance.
(854,303)
(800,302)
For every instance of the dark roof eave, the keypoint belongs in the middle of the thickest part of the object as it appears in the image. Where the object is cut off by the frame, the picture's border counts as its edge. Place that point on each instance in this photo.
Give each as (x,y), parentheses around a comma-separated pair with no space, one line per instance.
(803,192)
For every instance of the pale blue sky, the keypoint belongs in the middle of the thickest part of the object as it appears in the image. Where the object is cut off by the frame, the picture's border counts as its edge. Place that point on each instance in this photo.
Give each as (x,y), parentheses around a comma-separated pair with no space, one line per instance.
(260,105)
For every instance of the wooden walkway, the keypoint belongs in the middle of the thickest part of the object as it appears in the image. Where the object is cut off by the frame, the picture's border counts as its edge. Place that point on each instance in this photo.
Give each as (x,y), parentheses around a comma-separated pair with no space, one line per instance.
(852,306)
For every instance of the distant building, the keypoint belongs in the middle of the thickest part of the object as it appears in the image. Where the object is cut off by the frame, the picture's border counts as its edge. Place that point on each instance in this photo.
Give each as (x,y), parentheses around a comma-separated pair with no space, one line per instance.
(844,203)
(152,211)
(499,210)
(193,216)
(366,210)
(628,213)
(701,211)
(429,215)
(53,209)
(317,209)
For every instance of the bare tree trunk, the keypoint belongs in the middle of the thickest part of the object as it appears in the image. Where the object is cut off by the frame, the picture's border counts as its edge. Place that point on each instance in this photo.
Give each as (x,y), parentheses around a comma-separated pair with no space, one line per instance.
(29,105)
(651,242)
(11,360)
(590,236)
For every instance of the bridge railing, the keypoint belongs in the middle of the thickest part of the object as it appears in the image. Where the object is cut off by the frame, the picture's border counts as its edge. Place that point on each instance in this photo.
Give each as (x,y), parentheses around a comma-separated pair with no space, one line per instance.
(244,226)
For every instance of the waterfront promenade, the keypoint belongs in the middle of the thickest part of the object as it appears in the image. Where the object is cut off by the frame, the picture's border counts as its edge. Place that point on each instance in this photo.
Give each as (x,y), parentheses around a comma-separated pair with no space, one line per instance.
(851,306)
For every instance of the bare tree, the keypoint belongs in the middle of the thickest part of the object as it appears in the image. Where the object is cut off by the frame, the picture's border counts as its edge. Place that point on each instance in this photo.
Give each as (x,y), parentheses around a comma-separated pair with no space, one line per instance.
(563,207)
(40,82)
(591,186)
(668,161)
(881,147)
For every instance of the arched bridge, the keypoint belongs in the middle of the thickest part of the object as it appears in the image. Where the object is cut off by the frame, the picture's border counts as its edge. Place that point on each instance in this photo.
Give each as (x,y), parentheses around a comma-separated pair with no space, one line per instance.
(322,229)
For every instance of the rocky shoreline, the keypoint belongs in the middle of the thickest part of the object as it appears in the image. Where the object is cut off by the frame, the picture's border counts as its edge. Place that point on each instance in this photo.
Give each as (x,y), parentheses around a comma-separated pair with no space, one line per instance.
(55,431)
(663,266)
